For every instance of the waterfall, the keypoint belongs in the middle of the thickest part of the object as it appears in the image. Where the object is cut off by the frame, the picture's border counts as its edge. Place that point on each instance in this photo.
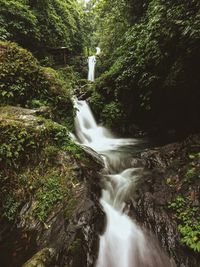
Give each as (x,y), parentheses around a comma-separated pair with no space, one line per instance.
(91,65)
(123,243)
(98,49)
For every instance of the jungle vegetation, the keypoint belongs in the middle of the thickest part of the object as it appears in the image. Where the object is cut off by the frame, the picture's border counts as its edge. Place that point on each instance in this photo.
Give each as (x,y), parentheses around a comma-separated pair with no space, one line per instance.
(147,75)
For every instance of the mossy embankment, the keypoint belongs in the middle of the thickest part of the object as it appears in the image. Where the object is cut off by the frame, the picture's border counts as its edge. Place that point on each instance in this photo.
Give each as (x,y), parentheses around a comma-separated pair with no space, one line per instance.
(46,197)
(29,160)
(25,83)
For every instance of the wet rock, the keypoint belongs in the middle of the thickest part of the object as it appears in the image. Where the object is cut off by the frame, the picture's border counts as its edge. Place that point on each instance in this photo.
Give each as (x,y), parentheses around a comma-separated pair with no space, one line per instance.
(41,258)
(165,180)
(94,157)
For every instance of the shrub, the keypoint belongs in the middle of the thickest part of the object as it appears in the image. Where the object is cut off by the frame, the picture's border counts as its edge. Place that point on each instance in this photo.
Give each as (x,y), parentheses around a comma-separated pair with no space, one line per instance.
(189,222)
(112,113)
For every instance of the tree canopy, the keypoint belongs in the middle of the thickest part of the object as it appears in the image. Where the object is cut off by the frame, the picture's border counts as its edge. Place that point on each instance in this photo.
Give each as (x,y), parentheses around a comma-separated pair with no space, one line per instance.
(151,54)
(42,23)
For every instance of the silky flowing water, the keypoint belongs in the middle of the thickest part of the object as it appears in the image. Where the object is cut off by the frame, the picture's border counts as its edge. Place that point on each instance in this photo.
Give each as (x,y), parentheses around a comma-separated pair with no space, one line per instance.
(123,243)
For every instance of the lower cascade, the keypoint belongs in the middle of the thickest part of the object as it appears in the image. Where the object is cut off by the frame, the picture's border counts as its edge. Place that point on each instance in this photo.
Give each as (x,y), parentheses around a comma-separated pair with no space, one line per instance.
(123,243)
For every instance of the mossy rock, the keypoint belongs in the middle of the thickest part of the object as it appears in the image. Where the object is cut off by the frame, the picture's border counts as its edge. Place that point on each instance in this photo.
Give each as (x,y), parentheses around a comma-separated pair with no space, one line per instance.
(36,160)
(40,164)
(41,258)
(24,135)
(43,193)
(26,83)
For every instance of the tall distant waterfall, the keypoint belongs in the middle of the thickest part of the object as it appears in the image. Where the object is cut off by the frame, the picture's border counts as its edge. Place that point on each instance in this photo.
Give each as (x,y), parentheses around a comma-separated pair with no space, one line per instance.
(91,65)
(98,49)
(123,243)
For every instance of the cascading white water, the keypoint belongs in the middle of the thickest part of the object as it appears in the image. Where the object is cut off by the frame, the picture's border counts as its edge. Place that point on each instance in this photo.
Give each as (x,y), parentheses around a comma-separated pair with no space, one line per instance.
(123,243)
(98,49)
(91,65)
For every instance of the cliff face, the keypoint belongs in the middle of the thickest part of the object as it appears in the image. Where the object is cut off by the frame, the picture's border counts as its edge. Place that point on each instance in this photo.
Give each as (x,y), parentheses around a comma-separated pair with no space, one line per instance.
(49,198)
(167,199)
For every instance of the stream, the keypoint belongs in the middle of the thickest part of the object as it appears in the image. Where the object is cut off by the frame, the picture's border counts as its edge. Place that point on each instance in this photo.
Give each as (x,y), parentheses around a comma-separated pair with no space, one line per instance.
(124,243)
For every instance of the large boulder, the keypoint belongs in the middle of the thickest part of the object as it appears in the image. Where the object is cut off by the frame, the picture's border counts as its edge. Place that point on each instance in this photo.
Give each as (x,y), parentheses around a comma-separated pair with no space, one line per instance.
(49,194)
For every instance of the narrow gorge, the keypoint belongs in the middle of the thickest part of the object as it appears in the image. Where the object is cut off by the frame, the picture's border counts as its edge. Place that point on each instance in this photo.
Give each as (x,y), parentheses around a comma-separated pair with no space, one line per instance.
(123,242)
(99,133)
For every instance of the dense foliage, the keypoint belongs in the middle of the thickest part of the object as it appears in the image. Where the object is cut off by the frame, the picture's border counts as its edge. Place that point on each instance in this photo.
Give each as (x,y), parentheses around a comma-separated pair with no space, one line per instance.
(148,74)
(42,24)
(39,180)
(24,82)
(151,60)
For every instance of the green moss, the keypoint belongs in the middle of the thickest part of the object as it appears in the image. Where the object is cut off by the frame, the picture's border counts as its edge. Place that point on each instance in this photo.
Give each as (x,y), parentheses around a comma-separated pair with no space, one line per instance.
(10,206)
(18,144)
(45,184)
(70,208)
(51,187)
(193,169)
(50,192)
(24,136)
(42,258)
(74,150)
(50,154)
